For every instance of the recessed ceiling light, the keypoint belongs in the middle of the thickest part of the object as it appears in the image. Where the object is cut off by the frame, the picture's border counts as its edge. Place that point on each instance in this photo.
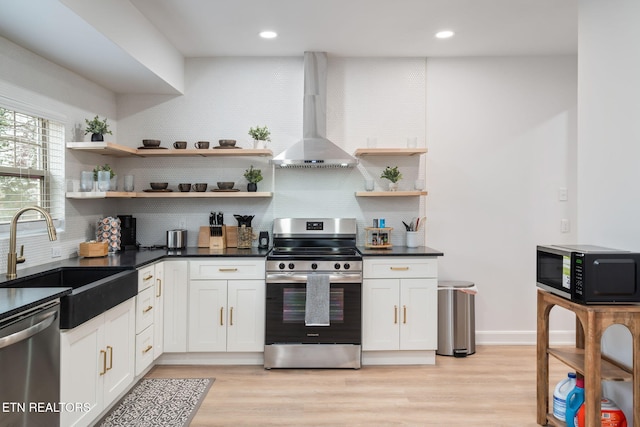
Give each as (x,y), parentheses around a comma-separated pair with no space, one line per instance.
(445,34)
(268,34)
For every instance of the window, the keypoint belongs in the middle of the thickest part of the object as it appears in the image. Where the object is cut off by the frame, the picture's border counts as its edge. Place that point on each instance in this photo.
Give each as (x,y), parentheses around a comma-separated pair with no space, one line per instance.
(31,165)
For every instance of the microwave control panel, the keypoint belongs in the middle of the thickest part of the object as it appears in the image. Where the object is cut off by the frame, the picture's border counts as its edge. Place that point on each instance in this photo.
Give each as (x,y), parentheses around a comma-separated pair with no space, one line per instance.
(578,273)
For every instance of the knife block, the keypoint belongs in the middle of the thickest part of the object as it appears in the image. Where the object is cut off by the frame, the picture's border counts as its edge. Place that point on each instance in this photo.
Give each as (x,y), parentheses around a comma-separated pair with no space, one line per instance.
(206,240)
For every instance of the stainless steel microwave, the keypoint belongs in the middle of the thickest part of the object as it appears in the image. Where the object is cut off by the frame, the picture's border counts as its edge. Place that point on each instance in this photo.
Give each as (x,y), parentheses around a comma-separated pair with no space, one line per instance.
(589,274)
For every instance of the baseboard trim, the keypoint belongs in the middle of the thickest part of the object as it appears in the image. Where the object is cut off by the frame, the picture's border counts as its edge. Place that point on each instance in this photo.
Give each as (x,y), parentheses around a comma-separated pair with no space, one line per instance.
(523,337)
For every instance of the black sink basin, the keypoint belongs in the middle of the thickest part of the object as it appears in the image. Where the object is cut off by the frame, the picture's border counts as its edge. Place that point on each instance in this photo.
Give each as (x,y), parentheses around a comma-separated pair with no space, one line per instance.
(95,290)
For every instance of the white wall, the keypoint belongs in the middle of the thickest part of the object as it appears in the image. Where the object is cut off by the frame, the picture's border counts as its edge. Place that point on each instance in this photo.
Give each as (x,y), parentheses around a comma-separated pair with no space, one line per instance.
(501,137)
(46,87)
(609,146)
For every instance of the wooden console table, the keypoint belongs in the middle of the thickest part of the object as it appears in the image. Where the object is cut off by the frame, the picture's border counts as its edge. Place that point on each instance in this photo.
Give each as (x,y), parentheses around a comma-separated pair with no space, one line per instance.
(586,358)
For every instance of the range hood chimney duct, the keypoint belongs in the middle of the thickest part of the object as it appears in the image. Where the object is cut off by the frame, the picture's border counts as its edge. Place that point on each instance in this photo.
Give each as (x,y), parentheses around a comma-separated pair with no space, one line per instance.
(314,150)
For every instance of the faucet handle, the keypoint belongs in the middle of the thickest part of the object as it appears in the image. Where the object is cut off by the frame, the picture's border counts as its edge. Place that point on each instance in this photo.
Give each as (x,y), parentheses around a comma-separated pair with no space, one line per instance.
(20,259)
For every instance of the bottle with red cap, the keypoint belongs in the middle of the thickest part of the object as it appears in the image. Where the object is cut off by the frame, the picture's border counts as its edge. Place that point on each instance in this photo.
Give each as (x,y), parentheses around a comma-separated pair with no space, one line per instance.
(575,399)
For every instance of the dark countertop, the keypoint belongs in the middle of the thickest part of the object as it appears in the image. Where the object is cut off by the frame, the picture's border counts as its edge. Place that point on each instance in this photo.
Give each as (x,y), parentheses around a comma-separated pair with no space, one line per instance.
(16,300)
(400,251)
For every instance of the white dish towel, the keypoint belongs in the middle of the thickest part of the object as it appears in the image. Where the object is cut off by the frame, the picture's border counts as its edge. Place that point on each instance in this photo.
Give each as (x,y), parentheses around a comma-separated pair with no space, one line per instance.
(318,300)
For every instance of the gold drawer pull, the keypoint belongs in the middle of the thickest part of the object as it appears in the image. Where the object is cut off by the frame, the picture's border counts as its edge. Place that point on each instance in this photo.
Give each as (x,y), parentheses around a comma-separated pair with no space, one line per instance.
(104,362)
(231,316)
(404,314)
(110,350)
(145,278)
(221,316)
(148,309)
(226,270)
(399,268)
(159,293)
(146,350)
(395,314)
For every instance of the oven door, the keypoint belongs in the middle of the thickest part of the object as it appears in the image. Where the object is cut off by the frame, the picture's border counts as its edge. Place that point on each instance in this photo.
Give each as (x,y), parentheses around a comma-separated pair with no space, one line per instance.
(285,311)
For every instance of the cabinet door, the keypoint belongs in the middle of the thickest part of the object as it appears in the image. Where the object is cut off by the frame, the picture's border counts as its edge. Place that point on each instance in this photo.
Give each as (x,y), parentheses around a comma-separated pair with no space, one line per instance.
(418,314)
(158,317)
(119,344)
(245,315)
(207,315)
(81,371)
(175,290)
(380,314)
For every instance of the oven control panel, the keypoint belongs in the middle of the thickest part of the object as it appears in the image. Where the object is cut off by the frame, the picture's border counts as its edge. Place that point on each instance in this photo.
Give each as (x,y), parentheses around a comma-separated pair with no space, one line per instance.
(310,265)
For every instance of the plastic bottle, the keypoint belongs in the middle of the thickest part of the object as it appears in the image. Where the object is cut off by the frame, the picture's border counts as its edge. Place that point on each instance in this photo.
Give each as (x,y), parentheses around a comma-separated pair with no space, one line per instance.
(560,395)
(610,415)
(575,399)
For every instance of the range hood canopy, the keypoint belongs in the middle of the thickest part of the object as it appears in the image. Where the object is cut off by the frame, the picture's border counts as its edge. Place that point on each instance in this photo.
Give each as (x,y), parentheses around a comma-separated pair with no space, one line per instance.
(314,150)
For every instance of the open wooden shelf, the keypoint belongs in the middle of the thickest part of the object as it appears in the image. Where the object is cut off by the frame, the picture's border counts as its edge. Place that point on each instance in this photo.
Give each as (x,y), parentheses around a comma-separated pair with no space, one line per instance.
(363,152)
(167,195)
(574,357)
(390,193)
(117,150)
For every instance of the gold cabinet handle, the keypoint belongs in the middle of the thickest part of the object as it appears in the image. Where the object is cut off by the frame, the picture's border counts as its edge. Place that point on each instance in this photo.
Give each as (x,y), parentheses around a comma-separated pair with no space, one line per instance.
(147,277)
(395,314)
(404,314)
(104,362)
(146,350)
(159,288)
(110,350)
(231,316)
(221,316)
(227,269)
(148,309)
(399,268)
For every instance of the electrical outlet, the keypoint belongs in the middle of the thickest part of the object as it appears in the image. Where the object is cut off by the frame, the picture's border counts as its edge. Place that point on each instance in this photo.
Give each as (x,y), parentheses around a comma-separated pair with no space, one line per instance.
(564,225)
(563,194)
(56,252)
(182,223)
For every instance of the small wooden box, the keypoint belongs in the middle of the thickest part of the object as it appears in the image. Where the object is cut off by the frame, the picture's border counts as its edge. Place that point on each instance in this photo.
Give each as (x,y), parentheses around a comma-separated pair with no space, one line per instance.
(93,249)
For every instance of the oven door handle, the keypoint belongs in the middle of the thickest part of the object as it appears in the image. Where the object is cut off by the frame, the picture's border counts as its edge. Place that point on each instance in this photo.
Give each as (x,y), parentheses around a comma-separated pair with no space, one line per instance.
(302,278)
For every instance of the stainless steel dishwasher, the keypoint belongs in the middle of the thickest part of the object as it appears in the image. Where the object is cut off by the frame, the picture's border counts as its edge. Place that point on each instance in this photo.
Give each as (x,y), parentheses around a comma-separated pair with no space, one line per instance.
(30,367)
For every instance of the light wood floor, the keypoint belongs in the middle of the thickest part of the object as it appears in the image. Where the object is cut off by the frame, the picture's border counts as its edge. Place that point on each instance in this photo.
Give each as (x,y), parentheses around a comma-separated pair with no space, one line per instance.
(494,387)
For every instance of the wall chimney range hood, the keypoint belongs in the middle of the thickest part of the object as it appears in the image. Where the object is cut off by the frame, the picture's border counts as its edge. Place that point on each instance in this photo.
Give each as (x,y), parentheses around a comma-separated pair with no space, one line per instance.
(314,150)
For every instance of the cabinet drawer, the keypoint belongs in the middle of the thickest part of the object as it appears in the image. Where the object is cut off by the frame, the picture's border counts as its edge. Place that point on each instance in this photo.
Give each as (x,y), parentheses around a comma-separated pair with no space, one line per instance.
(145,302)
(146,277)
(400,267)
(227,269)
(144,349)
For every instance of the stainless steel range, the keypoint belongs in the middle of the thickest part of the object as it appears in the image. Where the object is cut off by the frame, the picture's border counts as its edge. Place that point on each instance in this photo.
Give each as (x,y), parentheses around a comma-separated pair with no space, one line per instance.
(314,295)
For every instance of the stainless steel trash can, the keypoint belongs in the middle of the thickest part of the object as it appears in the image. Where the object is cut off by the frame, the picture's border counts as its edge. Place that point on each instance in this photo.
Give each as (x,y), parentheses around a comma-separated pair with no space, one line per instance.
(456,318)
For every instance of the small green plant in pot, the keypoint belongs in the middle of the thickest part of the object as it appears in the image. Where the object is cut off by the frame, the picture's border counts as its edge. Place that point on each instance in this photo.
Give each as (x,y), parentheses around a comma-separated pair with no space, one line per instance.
(97,128)
(105,169)
(393,175)
(254,176)
(260,136)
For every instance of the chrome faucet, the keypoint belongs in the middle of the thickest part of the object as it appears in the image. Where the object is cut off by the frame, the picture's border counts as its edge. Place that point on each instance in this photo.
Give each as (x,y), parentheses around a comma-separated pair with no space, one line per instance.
(12,257)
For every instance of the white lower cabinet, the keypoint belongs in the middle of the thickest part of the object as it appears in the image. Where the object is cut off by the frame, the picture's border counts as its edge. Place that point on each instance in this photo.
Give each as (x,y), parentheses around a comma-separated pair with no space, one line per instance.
(226,306)
(97,362)
(175,291)
(400,304)
(149,305)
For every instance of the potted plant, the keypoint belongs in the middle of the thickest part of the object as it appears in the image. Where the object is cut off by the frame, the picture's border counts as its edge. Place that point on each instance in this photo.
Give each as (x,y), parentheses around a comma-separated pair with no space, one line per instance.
(105,170)
(260,136)
(254,176)
(97,128)
(393,175)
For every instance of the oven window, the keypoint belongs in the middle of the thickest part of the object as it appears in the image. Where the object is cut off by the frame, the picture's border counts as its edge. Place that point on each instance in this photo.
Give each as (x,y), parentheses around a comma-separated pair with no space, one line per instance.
(294,300)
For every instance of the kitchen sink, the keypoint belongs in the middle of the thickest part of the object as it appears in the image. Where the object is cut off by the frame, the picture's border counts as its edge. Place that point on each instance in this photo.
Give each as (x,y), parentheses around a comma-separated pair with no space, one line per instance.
(95,290)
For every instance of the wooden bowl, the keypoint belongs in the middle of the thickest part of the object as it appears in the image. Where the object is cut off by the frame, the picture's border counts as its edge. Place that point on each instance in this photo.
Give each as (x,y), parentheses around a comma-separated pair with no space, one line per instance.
(159,185)
(225,185)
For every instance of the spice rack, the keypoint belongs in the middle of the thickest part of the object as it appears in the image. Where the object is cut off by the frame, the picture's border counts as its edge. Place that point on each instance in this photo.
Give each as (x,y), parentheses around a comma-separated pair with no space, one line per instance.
(378,238)
(586,358)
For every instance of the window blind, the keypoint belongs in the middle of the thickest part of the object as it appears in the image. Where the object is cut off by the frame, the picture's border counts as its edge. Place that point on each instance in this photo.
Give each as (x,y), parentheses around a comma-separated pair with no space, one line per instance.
(31,165)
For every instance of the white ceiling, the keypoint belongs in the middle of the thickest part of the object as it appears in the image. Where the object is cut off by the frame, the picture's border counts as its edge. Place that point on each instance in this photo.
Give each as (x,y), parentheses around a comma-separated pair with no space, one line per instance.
(56,30)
